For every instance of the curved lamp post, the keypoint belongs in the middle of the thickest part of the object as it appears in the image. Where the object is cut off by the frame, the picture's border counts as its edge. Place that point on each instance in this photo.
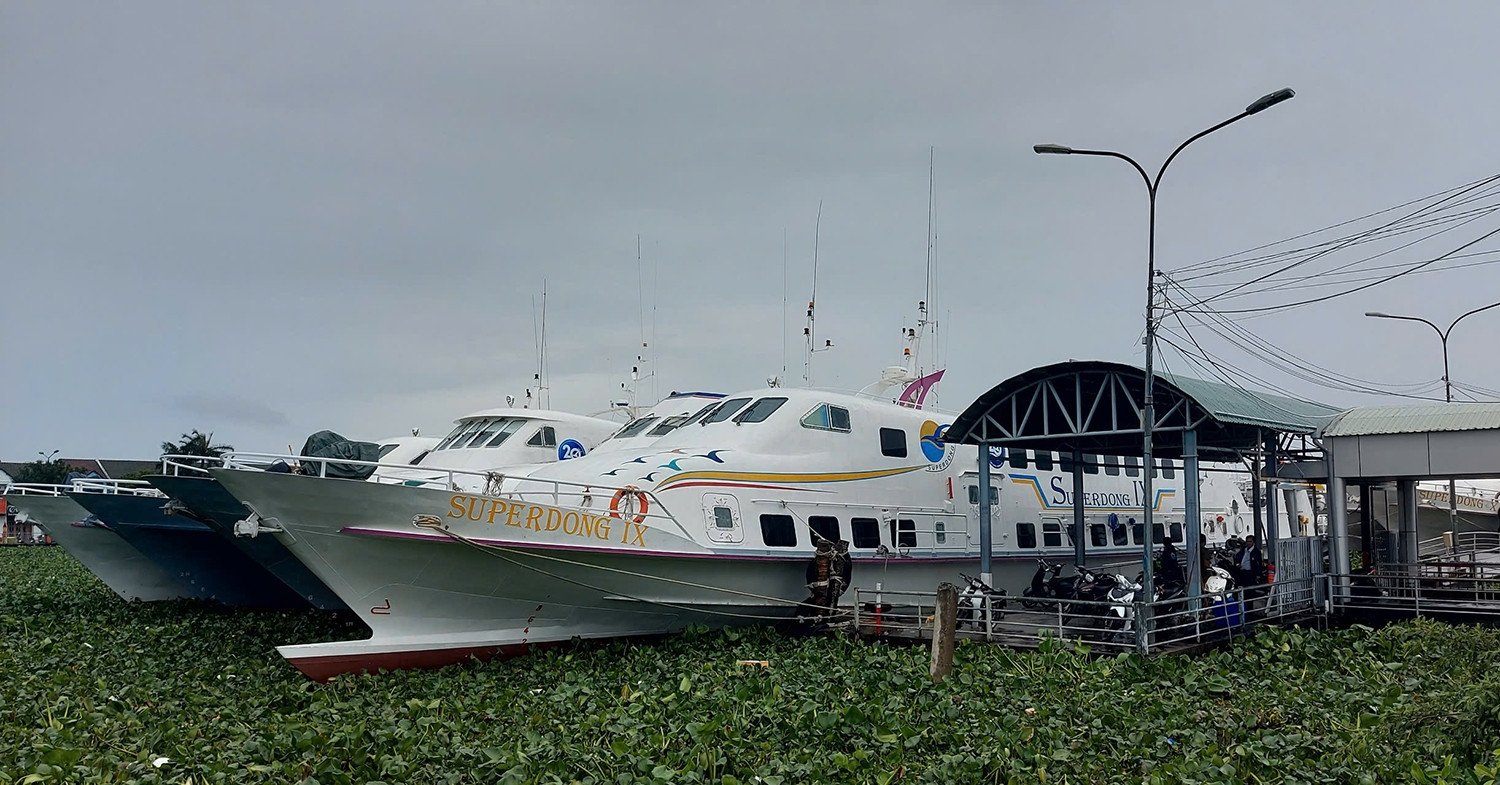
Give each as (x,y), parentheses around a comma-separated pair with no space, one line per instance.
(1447,382)
(1148,409)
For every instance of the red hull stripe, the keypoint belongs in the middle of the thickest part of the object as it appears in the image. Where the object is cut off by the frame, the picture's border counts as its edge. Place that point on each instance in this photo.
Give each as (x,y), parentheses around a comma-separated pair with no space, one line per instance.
(325,667)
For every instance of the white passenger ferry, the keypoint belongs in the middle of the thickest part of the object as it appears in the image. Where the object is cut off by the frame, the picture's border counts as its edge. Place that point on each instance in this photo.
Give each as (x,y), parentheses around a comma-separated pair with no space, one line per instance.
(695,513)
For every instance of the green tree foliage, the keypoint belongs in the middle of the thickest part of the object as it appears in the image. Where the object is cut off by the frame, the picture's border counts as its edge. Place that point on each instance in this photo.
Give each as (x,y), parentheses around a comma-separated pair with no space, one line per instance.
(108,691)
(197,443)
(51,472)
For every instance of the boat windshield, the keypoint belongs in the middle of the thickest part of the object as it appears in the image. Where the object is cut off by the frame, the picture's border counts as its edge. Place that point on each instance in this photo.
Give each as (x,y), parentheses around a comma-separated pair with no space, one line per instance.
(726,410)
(669,424)
(699,414)
(760,410)
(635,428)
(481,432)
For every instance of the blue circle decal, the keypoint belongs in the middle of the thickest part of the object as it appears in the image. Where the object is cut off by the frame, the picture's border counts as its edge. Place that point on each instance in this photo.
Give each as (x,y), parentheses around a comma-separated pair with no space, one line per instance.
(570,448)
(997,457)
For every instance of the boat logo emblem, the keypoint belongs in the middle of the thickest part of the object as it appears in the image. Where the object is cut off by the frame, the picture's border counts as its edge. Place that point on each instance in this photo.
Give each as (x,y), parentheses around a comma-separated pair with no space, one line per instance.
(570,448)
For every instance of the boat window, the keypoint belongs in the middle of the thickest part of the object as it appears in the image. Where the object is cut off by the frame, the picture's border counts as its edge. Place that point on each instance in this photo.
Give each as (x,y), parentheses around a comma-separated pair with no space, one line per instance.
(1018,459)
(1168,469)
(1112,467)
(419,458)
(1122,534)
(1132,467)
(385,449)
(1090,464)
(825,526)
(1025,535)
(635,428)
(893,442)
(827,417)
(940,532)
(698,415)
(760,410)
(904,533)
(1137,533)
(725,410)
(1052,534)
(1176,531)
(668,424)
(483,434)
(1044,461)
(458,431)
(506,431)
(974,495)
(1098,535)
(866,532)
(723,518)
(545,437)
(778,531)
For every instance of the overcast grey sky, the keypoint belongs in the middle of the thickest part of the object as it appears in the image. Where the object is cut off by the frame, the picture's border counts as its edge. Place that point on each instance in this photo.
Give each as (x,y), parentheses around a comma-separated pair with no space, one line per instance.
(266,219)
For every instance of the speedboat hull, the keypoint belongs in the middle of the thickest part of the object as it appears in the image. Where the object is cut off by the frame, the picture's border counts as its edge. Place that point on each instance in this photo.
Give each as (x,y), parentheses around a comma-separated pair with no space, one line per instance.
(491,586)
(208,566)
(124,569)
(212,505)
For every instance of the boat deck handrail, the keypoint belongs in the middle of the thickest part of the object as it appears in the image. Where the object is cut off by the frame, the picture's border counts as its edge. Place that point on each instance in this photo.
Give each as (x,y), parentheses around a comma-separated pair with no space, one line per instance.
(558,493)
(177,465)
(1457,542)
(83,485)
(121,487)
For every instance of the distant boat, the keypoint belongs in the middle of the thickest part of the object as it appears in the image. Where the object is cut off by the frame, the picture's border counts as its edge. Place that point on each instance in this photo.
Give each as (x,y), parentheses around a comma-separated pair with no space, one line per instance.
(209,566)
(123,568)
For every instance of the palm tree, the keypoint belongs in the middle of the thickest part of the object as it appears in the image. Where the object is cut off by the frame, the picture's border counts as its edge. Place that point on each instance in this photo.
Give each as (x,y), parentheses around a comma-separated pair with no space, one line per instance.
(199,444)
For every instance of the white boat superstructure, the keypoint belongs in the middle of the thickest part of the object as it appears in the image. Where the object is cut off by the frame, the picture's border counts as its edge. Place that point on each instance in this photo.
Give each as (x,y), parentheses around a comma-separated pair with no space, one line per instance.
(495,439)
(714,521)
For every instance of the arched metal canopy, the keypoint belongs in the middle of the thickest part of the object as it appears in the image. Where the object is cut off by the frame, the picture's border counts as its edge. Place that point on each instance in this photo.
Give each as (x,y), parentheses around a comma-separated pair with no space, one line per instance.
(1095,406)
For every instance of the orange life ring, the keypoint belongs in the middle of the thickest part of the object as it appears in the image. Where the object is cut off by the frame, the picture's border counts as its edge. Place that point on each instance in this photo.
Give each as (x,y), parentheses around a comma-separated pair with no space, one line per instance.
(642,507)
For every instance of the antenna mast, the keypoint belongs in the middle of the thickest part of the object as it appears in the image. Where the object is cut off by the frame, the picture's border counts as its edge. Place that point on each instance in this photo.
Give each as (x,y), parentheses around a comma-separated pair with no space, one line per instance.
(927,307)
(810,332)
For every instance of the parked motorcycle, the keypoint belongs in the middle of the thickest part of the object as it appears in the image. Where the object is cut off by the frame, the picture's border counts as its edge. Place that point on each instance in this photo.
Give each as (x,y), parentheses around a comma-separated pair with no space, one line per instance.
(975,597)
(1047,584)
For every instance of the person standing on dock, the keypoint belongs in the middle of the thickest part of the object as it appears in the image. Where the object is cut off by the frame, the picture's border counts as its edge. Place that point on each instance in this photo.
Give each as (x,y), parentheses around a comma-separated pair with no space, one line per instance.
(1249,564)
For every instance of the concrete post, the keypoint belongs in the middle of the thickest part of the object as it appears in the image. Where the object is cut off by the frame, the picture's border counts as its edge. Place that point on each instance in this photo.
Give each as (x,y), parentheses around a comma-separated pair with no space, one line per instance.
(986,517)
(945,628)
(1078,532)
(1192,518)
(1338,533)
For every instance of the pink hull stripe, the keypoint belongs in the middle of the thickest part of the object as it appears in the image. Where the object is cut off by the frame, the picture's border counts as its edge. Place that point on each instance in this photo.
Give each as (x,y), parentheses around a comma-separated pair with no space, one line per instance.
(544,546)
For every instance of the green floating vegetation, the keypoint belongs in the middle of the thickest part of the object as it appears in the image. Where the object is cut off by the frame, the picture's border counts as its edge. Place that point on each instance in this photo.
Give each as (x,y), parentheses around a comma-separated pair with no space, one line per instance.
(95,690)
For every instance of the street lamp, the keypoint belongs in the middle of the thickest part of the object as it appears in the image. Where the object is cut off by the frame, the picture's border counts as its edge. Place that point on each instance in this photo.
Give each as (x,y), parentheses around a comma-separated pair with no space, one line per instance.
(1447,382)
(47,456)
(1148,409)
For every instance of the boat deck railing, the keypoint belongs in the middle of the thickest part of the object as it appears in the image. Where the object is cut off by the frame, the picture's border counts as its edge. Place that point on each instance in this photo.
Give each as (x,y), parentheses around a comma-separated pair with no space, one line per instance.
(640,505)
(1449,544)
(84,485)
(1172,624)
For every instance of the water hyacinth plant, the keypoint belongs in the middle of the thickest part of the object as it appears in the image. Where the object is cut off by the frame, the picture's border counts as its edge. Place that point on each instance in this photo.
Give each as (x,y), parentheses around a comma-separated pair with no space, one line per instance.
(94,689)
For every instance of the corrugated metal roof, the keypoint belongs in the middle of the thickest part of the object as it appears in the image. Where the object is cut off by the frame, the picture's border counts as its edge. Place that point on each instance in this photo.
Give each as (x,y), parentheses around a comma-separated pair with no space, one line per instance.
(1237,418)
(1237,405)
(1427,418)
